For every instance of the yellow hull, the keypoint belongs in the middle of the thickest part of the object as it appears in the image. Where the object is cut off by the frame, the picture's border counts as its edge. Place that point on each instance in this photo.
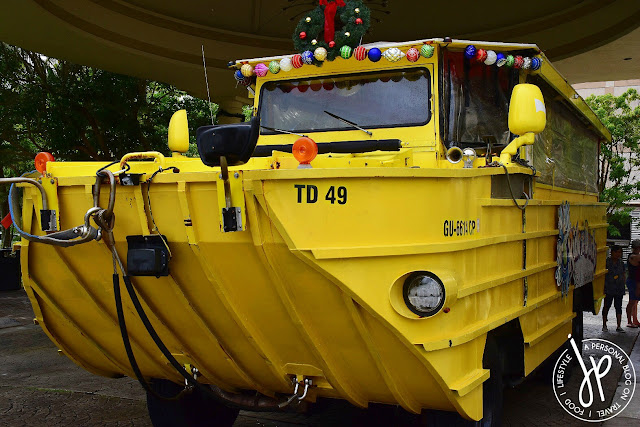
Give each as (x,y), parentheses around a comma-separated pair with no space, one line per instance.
(314,289)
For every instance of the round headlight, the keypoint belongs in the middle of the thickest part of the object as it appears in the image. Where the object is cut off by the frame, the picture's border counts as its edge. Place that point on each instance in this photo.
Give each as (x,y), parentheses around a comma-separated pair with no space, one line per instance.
(423,293)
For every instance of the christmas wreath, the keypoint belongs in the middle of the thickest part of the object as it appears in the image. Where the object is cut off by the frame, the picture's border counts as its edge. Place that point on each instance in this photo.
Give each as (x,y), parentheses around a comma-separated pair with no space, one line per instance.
(332,25)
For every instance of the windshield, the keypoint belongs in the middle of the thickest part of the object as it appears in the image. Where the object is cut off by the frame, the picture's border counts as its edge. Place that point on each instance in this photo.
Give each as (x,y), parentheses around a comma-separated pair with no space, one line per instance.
(371,100)
(475,103)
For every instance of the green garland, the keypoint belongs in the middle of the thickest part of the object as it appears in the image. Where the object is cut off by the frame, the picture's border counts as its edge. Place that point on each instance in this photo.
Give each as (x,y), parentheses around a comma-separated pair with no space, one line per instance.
(346,16)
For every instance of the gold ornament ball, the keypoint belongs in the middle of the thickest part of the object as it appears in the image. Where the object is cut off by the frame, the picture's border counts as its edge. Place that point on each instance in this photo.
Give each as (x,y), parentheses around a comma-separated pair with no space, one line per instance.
(308,19)
(320,54)
(314,42)
(348,34)
(357,10)
(247,70)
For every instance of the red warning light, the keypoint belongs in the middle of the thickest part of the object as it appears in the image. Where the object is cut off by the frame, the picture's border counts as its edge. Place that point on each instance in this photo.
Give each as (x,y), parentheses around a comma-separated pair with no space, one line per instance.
(42,158)
(305,150)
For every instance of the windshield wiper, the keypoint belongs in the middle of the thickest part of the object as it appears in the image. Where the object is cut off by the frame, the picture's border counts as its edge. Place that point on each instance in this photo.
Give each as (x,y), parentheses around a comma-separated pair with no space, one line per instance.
(281,131)
(355,125)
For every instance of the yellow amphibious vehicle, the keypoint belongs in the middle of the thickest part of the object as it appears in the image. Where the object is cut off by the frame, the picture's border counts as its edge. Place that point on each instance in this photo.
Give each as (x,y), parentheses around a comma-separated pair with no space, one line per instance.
(413,231)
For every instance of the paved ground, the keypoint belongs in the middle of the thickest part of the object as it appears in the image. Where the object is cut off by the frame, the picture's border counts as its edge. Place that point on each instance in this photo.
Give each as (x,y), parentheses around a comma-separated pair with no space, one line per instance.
(40,388)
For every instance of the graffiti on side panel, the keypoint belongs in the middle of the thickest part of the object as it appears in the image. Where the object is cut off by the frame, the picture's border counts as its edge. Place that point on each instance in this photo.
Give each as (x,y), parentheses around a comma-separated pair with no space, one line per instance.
(576,252)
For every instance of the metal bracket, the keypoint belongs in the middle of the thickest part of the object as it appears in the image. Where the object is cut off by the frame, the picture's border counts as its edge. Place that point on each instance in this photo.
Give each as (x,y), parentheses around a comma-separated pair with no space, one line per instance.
(230,199)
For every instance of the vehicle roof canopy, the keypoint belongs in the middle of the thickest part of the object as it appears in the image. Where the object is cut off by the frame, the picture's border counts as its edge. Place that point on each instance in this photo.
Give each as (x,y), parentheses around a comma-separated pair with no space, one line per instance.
(548,72)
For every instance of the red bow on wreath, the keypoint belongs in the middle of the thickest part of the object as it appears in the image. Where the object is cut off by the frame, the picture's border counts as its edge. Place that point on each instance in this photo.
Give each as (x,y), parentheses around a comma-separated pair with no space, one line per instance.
(330,10)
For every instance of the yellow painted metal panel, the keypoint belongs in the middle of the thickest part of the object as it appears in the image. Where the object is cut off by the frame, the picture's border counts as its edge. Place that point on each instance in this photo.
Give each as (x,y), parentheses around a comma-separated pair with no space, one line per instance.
(312,286)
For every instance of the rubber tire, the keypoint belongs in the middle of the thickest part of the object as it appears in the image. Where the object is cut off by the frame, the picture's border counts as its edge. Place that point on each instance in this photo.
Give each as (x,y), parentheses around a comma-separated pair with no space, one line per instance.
(193,410)
(493,388)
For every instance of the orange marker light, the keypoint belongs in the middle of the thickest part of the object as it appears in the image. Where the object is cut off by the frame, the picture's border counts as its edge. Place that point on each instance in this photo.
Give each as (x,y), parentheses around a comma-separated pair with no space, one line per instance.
(305,150)
(41,161)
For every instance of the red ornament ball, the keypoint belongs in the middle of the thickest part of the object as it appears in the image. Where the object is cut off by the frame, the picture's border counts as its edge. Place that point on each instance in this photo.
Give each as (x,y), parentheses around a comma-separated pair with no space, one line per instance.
(332,43)
(413,54)
(360,53)
(481,55)
(359,21)
(303,35)
(296,61)
(518,62)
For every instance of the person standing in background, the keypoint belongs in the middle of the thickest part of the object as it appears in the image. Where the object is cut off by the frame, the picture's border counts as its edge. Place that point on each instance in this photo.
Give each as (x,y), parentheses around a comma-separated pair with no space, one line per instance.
(633,262)
(614,282)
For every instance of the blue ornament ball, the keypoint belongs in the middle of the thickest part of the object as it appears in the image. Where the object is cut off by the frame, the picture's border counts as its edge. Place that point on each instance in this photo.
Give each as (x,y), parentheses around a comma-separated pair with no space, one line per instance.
(501,59)
(536,63)
(307,57)
(470,52)
(238,75)
(375,54)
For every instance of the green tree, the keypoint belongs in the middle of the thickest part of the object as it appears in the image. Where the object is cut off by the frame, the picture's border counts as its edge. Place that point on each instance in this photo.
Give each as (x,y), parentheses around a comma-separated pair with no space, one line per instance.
(619,159)
(81,113)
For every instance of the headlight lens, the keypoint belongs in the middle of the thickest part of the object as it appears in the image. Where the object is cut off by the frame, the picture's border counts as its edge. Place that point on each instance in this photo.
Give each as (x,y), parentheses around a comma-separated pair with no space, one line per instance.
(424,293)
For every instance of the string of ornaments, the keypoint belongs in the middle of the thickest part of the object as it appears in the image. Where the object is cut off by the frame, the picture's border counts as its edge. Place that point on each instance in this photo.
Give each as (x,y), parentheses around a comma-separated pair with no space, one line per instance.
(355,18)
(489,57)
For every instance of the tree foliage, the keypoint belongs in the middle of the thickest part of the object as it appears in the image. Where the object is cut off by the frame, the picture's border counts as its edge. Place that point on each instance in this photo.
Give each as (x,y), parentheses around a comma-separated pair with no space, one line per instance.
(81,113)
(619,178)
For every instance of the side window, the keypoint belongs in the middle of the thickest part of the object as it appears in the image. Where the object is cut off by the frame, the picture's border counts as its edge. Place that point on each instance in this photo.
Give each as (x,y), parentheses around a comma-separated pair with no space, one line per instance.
(566,152)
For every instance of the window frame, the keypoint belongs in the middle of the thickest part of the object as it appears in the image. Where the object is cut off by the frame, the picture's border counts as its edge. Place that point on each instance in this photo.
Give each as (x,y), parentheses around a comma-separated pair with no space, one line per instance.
(346,127)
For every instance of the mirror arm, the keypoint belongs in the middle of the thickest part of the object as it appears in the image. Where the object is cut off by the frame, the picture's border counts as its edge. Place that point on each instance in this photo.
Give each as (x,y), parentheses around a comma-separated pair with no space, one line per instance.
(512,149)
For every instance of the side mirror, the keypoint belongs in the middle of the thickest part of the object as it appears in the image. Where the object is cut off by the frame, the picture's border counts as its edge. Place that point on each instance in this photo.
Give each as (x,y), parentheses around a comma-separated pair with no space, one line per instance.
(236,142)
(179,132)
(527,117)
(527,112)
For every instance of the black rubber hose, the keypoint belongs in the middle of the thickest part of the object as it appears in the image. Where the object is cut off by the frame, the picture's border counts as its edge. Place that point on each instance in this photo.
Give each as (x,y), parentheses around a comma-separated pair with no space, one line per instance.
(127,345)
(248,403)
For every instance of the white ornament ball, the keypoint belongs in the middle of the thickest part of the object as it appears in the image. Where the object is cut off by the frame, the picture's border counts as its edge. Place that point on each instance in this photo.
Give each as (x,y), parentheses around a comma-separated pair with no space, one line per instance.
(320,54)
(491,58)
(308,19)
(286,64)
(393,55)
(356,10)
(314,42)
(347,34)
